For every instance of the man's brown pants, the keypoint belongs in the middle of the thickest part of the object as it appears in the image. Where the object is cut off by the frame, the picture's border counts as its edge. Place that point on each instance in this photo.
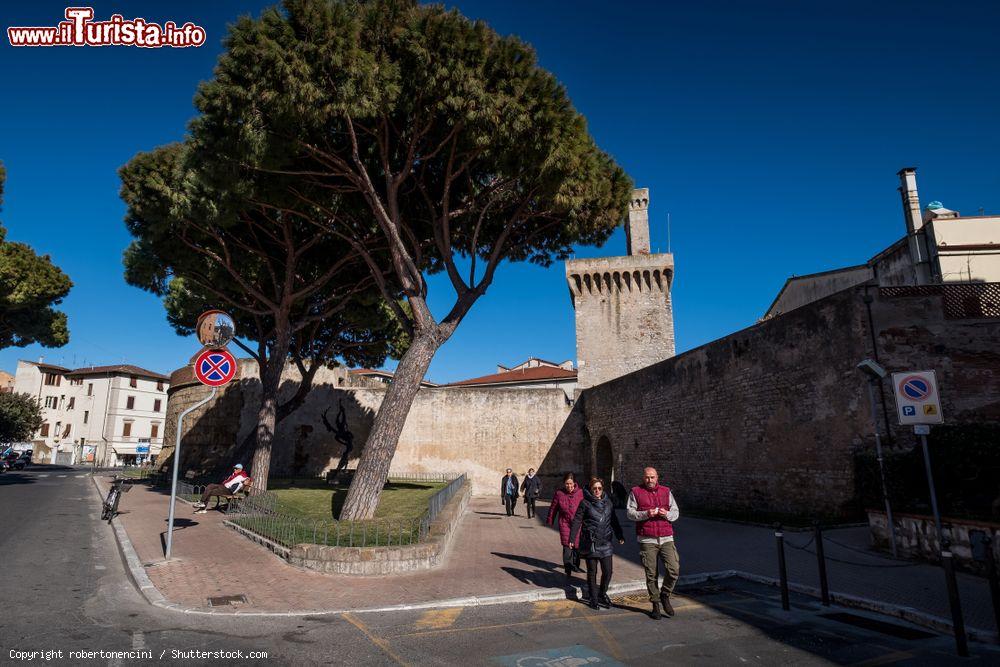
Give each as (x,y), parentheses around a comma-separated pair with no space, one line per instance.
(651,554)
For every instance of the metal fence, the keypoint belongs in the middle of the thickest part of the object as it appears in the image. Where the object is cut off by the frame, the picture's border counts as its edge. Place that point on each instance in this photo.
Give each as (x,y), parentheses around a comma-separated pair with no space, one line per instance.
(258,514)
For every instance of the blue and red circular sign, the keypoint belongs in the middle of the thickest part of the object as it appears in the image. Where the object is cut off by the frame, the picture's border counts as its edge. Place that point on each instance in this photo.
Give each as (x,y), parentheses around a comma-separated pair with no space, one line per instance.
(915,388)
(215,367)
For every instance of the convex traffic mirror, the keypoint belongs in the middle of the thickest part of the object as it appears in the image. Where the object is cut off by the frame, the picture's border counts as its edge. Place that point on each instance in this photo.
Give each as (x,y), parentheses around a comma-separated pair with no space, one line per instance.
(215,329)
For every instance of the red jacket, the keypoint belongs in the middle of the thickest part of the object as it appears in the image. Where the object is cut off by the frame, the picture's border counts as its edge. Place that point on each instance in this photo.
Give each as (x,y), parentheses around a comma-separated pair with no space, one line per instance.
(564,505)
(647,500)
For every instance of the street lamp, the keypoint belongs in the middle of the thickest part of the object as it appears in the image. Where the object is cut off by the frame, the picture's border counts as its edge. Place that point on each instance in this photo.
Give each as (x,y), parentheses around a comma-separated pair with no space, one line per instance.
(874,372)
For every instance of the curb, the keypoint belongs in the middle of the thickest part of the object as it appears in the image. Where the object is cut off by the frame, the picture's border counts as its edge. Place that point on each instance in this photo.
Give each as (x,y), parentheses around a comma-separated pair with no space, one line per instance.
(137,573)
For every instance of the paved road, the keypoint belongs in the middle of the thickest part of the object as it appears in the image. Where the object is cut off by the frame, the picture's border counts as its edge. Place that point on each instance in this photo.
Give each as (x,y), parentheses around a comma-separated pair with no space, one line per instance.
(64,589)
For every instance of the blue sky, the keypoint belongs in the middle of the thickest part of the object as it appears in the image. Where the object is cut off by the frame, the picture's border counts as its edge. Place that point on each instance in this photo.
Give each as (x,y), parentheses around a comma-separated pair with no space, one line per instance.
(770,131)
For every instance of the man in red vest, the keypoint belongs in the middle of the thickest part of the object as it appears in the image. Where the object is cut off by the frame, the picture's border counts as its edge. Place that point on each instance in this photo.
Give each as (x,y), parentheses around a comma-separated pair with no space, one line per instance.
(654,510)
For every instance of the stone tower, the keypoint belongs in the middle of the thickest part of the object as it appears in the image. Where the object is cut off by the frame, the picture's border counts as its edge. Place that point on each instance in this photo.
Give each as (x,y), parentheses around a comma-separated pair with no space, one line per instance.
(624,319)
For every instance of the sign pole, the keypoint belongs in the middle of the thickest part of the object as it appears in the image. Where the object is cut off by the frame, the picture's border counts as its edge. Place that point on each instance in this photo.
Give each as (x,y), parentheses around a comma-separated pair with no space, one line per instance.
(930,482)
(957,620)
(177,460)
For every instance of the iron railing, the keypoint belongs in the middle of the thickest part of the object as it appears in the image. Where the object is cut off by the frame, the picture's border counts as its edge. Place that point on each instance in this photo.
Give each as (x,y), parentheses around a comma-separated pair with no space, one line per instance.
(258,514)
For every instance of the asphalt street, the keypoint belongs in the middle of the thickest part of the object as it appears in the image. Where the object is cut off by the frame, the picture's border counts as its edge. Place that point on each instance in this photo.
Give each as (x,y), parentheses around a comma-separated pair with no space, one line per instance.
(64,588)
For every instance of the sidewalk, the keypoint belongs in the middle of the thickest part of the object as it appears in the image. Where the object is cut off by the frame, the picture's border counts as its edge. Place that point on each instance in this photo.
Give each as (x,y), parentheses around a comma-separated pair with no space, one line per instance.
(495,555)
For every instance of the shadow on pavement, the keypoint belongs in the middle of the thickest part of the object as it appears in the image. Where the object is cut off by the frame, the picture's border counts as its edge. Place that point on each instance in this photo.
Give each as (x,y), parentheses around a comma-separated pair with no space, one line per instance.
(10,478)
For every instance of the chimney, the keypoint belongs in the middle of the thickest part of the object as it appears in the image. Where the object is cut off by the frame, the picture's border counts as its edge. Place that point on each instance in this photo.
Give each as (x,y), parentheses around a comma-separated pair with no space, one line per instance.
(637,226)
(916,238)
(911,200)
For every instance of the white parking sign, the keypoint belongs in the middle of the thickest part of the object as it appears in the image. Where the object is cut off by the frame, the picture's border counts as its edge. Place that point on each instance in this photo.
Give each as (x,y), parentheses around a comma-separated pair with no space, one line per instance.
(917,398)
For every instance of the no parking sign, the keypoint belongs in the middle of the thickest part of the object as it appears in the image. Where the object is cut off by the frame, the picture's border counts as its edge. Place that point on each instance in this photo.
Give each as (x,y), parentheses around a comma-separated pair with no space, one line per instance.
(917,398)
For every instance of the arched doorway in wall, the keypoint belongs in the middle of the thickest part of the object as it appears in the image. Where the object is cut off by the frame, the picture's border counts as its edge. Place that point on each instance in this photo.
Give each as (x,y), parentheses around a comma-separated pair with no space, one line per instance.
(604,460)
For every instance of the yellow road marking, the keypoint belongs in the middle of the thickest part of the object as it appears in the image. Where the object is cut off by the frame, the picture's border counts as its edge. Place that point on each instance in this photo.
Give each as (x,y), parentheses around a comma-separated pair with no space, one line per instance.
(888,658)
(612,614)
(553,609)
(609,640)
(378,641)
(438,619)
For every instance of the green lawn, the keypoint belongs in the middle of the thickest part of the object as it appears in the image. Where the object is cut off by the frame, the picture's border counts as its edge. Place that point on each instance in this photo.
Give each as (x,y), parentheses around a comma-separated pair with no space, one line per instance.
(306,509)
(315,499)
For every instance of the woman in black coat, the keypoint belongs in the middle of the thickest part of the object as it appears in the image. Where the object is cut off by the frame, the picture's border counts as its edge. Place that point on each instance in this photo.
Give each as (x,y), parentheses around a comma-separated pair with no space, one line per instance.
(594,525)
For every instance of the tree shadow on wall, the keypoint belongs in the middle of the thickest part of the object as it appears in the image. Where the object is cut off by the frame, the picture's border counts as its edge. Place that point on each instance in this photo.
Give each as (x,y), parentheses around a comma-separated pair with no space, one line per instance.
(328,430)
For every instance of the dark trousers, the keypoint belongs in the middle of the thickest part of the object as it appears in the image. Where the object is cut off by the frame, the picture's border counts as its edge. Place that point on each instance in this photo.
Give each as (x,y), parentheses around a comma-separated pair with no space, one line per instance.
(529,503)
(509,502)
(214,490)
(606,569)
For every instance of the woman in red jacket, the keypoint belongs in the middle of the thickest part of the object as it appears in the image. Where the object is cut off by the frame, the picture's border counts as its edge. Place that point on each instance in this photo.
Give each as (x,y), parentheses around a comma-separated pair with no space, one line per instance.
(564,505)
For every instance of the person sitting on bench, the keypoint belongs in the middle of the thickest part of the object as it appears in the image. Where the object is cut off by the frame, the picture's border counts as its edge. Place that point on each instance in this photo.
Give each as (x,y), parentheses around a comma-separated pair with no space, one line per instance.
(233,485)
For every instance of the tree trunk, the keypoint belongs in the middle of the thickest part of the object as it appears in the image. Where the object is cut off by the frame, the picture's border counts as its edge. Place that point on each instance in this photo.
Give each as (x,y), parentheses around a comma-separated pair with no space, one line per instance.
(260,466)
(244,448)
(373,468)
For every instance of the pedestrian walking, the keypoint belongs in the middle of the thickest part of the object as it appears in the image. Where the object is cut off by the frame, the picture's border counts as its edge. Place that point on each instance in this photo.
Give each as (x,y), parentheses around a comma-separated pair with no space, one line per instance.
(654,510)
(531,487)
(508,491)
(565,501)
(594,526)
(232,485)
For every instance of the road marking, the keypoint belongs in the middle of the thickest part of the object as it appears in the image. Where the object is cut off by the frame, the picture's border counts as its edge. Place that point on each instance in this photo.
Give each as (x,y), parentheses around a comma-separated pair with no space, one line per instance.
(888,658)
(539,621)
(378,641)
(138,640)
(45,475)
(553,609)
(437,619)
(609,640)
(100,567)
(60,475)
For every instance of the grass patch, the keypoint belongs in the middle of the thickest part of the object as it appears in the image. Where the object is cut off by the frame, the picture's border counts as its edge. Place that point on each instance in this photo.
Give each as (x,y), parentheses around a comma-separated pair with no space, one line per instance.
(306,508)
(316,500)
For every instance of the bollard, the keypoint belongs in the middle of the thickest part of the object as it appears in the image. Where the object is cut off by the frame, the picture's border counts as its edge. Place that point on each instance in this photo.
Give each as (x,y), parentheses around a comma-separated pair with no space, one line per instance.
(958,623)
(782,572)
(994,581)
(824,587)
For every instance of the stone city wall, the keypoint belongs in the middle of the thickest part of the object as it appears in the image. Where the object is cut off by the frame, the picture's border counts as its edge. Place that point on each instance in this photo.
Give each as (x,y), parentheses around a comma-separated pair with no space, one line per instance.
(766,419)
(479,432)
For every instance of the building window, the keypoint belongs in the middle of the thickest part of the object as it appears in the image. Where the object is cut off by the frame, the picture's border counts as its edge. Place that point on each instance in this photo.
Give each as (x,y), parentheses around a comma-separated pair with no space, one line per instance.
(51,401)
(86,416)
(72,403)
(45,431)
(127,429)
(156,405)
(130,403)
(133,381)
(52,379)
(90,389)
(67,430)
(159,385)
(154,431)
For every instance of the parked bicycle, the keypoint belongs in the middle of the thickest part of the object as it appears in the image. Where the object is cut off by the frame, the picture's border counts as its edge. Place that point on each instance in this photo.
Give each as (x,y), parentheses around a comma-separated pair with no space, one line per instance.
(110,508)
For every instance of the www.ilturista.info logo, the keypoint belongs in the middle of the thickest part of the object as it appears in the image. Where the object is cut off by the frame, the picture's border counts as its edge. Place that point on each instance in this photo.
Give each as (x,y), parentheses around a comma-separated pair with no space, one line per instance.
(79,29)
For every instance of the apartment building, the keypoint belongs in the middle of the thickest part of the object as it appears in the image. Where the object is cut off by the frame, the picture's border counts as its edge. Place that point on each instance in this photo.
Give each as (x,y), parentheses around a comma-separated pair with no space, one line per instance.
(105,415)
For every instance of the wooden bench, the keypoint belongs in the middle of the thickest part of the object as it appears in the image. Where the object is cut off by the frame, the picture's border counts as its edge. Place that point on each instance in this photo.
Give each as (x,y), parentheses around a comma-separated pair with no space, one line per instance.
(228,498)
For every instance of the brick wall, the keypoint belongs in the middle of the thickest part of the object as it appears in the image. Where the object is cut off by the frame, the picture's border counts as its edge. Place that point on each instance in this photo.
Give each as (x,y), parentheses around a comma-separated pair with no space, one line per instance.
(765,420)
